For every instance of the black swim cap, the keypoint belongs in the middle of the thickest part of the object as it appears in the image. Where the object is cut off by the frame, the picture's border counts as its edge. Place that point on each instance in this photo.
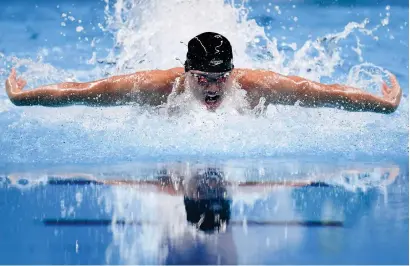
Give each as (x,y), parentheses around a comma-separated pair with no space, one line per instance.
(208,214)
(209,52)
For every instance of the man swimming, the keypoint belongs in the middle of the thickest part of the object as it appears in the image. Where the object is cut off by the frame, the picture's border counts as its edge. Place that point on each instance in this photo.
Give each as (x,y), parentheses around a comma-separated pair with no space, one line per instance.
(208,74)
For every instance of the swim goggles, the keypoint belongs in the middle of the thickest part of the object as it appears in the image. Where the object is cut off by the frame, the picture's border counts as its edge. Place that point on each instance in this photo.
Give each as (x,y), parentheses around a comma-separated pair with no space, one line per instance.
(205,79)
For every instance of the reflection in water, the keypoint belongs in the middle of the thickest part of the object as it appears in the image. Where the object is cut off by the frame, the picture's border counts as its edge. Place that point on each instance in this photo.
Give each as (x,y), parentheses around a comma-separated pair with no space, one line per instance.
(217,214)
(206,201)
(196,232)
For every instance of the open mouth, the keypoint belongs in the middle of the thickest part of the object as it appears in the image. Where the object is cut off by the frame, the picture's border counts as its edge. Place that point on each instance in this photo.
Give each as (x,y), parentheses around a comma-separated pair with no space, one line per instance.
(212,99)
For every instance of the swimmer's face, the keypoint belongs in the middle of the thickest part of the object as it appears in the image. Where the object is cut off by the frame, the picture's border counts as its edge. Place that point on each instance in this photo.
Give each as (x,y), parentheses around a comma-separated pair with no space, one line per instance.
(209,88)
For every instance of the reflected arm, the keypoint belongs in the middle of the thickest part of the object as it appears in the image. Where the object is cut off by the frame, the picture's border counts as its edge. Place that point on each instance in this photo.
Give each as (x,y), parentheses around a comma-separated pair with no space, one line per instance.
(162,183)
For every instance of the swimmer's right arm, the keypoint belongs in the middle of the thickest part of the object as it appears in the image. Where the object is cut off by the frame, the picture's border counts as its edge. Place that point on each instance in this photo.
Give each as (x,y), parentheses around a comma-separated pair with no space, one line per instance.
(148,87)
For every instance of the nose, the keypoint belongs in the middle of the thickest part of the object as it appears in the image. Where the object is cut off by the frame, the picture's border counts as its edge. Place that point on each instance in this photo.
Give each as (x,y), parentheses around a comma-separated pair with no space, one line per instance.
(213,88)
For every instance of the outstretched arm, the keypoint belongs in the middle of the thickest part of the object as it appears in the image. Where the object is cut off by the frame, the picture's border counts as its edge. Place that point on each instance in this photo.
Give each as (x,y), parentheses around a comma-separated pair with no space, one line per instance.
(279,89)
(148,87)
(163,183)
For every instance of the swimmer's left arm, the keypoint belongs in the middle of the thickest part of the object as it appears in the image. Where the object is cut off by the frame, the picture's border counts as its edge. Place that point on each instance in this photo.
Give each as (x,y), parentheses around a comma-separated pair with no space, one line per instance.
(281,89)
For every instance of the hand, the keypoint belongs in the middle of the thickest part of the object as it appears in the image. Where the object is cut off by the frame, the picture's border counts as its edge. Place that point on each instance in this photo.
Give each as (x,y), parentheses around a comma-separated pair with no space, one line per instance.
(392,94)
(13,85)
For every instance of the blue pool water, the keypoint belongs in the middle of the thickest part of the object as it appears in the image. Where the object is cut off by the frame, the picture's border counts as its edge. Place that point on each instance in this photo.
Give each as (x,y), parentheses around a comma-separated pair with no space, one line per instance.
(356,163)
(354,213)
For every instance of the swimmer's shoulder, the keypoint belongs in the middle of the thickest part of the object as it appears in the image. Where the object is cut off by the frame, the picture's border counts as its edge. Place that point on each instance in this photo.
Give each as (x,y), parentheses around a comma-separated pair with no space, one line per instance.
(175,77)
(248,73)
(162,80)
(243,77)
(250,79)
(176,71)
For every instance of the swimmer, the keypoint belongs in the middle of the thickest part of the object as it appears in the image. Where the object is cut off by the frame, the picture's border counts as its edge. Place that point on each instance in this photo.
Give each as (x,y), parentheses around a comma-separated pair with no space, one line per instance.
(208,73)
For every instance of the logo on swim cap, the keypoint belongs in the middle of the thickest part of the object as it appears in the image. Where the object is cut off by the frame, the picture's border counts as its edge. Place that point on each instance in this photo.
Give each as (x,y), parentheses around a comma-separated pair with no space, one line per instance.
(216,62)
(209,52)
